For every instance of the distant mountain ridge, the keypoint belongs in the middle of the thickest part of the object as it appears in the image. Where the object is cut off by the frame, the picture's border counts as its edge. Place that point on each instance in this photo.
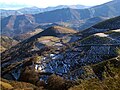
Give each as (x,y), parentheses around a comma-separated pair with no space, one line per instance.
(36,10)
(18,24)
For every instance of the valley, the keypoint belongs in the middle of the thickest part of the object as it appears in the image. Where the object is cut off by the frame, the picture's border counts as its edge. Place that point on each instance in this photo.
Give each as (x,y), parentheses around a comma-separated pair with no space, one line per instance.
(62,49)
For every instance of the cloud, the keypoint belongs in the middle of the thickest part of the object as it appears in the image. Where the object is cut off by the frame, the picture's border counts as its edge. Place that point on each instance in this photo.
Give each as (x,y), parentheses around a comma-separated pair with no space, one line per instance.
(12,6)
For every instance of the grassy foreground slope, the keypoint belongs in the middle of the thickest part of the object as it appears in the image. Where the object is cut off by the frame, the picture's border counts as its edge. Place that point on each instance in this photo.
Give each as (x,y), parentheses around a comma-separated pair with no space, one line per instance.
(109,71)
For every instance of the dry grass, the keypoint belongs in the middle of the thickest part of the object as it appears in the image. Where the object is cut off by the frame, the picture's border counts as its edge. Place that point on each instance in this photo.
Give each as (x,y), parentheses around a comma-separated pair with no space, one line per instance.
(35,32)
(6,85)
(48,38)
(64,30)
(2,49)
(15,85)
(111,77)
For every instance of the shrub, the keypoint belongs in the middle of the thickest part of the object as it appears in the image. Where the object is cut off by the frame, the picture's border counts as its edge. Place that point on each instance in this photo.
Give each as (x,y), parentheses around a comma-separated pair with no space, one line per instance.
(41,83)
(29,75)
(56,83)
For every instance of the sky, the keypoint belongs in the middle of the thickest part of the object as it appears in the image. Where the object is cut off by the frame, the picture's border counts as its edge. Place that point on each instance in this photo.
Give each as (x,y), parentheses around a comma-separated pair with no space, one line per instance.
(16,4)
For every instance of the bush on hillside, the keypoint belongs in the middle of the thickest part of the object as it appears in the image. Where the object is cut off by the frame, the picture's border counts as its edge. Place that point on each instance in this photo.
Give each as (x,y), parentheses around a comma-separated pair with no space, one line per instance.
(56,83)
(29,75)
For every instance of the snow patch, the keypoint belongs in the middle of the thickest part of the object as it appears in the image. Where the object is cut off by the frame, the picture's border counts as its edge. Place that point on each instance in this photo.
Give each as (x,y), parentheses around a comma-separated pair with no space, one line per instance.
(101,35)
(118,30)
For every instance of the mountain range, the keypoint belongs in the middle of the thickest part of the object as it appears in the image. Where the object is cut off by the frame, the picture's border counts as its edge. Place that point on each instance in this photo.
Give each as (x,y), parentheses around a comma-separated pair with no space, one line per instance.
(75,18)
(102,44)
(35,10)
(62,49)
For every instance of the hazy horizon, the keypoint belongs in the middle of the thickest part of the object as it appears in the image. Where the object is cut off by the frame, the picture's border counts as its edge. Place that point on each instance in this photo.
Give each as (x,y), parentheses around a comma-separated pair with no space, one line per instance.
(15,4)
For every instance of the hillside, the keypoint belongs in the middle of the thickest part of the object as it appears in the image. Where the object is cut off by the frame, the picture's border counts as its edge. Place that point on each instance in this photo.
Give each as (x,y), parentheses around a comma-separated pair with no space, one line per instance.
(109,71)
(106,25)
(15,25)
(15,85)
(108,9)
(6,43)
(36,43)
(57,30)
(65,60)
(21,37)
(90,22)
